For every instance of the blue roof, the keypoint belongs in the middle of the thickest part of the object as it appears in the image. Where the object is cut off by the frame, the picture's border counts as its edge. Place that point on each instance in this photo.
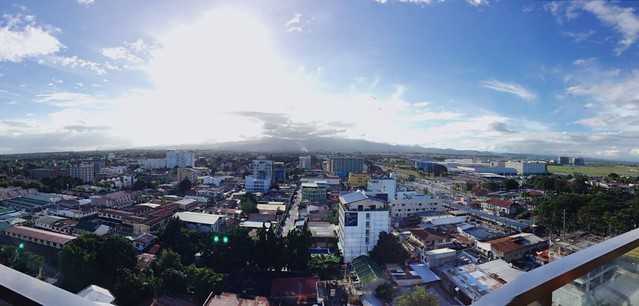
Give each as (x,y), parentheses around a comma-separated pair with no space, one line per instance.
(351,197)
(426,274)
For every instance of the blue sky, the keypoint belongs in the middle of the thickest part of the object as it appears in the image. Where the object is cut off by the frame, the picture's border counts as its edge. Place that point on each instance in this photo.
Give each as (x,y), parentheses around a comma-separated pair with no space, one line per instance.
(506,76)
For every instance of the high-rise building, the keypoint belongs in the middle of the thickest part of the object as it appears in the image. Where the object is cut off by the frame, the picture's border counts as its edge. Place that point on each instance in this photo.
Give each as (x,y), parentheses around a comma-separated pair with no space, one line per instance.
(305,162)
(179,159)
(577,161)
(279,172)
(261,178)
(563,160)
(83,171)
(361,219)
(342,166)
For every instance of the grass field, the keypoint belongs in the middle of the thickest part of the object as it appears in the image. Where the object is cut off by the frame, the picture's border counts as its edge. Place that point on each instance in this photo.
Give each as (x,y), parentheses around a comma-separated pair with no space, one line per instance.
(596,170)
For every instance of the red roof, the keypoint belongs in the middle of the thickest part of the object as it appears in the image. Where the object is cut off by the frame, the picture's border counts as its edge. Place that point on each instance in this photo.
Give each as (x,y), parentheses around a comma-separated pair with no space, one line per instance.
(500,202)
(35,233)
(302,289)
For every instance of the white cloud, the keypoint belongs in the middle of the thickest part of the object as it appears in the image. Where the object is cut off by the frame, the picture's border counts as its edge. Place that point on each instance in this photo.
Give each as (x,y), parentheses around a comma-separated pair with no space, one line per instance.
(621,19)
(22,38)
(86,2)
(511,88)
(69,99)
(580,36)
(74,62)
(133,52)
(294,24)
(635,151)
(478,2)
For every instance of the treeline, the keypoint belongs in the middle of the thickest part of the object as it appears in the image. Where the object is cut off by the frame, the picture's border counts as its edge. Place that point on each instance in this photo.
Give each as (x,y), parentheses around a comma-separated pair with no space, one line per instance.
(601,212)
(111,262)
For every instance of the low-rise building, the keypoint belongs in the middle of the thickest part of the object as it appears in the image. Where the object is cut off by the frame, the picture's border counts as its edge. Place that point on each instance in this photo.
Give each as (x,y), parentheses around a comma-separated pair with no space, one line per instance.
(410,203)
(38,236)
(201,222)
(470,282)
(358,180)
(512,247)
(313,192)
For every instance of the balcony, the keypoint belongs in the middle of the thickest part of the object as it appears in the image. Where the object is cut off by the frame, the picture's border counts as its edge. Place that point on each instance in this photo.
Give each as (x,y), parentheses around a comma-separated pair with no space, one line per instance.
(603,274)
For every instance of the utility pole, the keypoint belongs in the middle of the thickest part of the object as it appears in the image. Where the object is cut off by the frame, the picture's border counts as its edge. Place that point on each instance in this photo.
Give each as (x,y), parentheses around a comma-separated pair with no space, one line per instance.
(564,229)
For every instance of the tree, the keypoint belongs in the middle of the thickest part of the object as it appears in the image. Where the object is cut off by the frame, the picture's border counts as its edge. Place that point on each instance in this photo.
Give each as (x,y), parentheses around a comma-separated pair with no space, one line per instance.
(325,266)
(298,242)
(511,184)
(385,292)
(132,288)
(388,250)
(202,282)
(184,186)
(90,259)
(177,237)
(248,204)
(417,297)
(23,261)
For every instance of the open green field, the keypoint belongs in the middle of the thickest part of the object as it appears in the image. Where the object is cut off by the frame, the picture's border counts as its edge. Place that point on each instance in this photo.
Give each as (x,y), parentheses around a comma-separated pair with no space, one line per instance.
(596,170)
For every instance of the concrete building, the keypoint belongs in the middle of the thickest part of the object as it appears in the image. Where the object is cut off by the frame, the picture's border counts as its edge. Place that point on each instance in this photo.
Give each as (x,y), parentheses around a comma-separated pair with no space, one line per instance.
(527,167)
(201,222)
(179,159)
(361,220)
(358,180)
(83,171)
(410,203)
(342,166)
(253,184)
(577,161)
(279,172)
(386,185)
(314,192)
(153,163)
(305,162)
(470,282)
(563,160)
(512,247)
(431,168)
(261,178)
(191,174)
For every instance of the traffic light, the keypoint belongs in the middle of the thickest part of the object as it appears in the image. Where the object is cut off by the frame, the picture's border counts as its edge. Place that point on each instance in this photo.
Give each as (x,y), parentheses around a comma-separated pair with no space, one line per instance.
(21,246)
(220,238)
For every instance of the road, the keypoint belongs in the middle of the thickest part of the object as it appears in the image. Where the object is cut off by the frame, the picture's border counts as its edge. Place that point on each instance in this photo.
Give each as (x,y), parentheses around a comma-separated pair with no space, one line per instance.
(293,213)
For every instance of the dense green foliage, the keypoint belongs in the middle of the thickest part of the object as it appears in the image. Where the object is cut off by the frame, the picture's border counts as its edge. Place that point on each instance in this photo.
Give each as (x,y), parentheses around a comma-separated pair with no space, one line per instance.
(21,260)
(603,213)
(385,292)
(59,183)
(325,266)
(416,297)
(388,250)
(184,186)
(248,204)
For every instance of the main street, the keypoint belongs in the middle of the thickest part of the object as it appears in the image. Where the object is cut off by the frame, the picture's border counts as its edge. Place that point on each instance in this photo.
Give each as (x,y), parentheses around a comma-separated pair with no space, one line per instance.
(293,213)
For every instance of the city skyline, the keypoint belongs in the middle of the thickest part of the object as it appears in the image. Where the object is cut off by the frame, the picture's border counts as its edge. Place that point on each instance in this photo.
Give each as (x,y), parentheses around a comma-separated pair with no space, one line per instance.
(522,77)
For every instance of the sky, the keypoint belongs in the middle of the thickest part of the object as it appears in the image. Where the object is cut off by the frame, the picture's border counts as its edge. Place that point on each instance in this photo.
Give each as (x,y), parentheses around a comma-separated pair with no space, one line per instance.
(506,76)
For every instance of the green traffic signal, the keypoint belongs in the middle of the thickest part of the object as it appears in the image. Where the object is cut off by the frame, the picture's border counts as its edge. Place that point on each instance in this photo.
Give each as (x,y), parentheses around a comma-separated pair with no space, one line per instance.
(21,245)
(216,238)
(225,239)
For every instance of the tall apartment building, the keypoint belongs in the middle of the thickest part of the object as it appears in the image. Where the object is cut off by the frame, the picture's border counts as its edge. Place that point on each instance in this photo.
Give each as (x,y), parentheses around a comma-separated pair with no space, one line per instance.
(305,162)
(385,185)
(527,167)
(563,160)
(279,172)
(153,163)
(361,220)
(179,159)
(261,178)
(342,166)
(577,161)
(83,171)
